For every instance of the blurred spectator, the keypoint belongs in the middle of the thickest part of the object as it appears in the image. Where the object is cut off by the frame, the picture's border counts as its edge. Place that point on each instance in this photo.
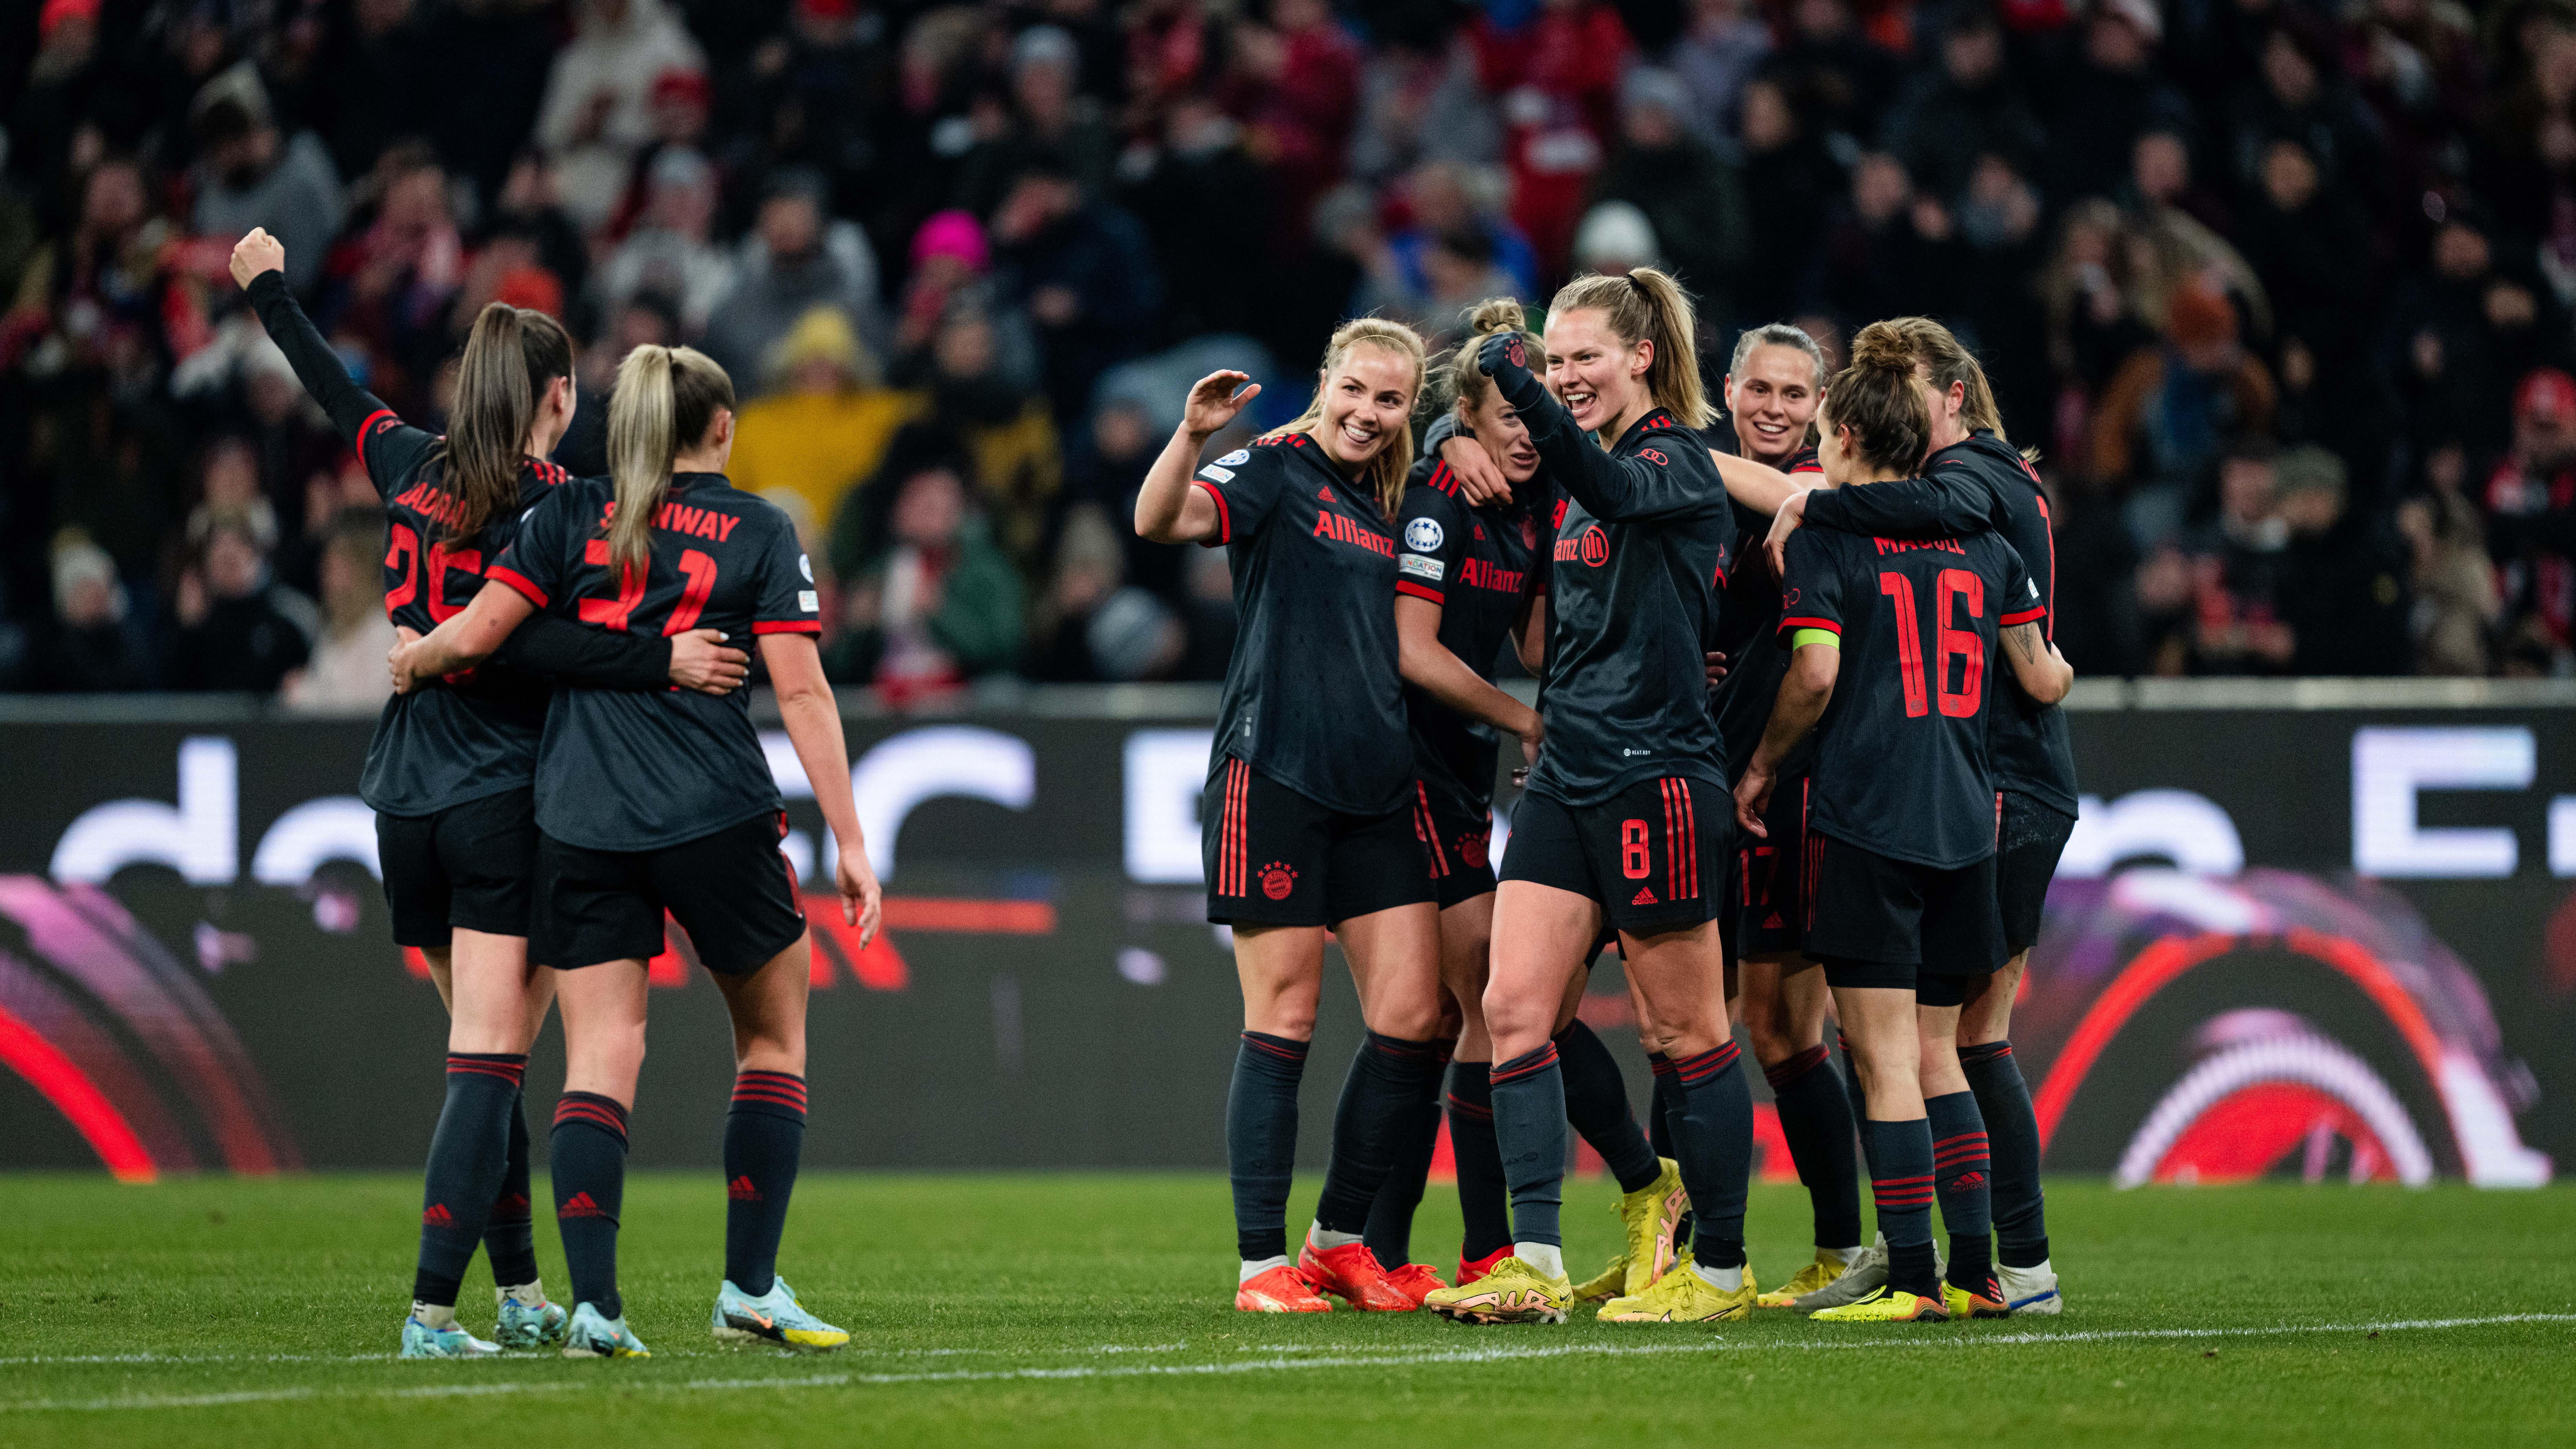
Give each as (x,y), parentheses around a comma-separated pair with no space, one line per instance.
(346,674)
(233,627)
(1887,249)
(1458,271)
(598,102)
(400,274)
(2346,603)
(2182,249)
(2111,95)
(1296,84)
(1848,79)
(2461,331)
(1616,239)
(1082,270)
(1688,193)
(1419,103)
(1049,118)
(2240,571)
(935,605)
(672,250)
(2171,406)
(1448,200)
(821,419)
(2093,318)
(815,95)
(647,318)
(2530,502)
(530,212)
(89,647)
(952,266)
(1556,73)
(2457,606)
(790,264)
(2294,93)
(248,175)
(1721,45)
(1205,203)
(1792,179)
(1092,629)
(1017,463)
(1968,108)
(379,84)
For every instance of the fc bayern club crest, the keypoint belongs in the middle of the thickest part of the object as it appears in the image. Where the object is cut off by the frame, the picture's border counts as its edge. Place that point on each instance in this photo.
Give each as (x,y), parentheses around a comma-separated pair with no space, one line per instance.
(1471,848)
(1277,880)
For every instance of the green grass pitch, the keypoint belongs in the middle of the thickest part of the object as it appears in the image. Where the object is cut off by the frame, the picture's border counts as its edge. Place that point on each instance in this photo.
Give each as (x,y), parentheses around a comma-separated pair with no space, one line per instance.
(1041,1310)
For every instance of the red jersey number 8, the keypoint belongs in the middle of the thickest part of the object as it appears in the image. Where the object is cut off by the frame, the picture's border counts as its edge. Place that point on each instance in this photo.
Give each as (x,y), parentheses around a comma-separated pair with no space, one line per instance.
(1634,862)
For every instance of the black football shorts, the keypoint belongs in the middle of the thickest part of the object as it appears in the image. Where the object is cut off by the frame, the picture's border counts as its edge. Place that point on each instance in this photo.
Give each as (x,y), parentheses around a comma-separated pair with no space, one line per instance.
(1877,921)
(469,866)
(1274,857)
(1653,855)
(730,890)
(1774,874)
(1461,840)
(2029,837)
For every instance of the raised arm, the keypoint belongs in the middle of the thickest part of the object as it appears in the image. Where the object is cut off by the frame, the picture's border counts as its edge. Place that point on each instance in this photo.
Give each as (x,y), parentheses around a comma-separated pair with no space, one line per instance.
(813,720)
(1427,665)
(2042,671)
(259,264)
(1168,509)
(1607,487)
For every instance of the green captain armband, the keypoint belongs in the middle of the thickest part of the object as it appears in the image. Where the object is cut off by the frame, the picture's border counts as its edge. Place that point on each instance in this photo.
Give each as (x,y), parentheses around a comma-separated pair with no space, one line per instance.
(1805,637)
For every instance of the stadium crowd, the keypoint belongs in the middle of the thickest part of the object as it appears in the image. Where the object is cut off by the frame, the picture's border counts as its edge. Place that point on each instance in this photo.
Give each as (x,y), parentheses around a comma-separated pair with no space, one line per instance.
(2281,291)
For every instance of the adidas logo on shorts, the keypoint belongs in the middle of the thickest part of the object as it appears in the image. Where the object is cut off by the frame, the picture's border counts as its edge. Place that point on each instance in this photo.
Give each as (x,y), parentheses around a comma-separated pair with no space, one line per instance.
(1645,897)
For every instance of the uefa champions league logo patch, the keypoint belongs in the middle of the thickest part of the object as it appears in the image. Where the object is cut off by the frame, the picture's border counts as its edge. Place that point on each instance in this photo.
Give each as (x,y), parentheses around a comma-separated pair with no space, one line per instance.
(1422,536)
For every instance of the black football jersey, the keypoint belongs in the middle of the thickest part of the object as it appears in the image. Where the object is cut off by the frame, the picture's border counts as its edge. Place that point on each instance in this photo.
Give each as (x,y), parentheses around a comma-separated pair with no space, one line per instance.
(1902,764)
(1755,658)
(1312,697)
(1476,563)
(629,770)
(1644,536)
(475,733)
(1977,484)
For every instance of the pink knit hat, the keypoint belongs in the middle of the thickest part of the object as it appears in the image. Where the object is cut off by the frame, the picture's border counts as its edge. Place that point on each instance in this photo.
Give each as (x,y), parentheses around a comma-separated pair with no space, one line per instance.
(952,234)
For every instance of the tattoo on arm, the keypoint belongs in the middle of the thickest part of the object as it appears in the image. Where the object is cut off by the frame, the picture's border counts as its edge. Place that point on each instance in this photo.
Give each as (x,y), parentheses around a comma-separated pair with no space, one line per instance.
(2024,639)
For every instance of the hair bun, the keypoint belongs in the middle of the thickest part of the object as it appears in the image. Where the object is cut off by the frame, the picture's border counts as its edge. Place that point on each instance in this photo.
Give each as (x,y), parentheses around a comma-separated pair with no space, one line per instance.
(1880,346)
(1497,314)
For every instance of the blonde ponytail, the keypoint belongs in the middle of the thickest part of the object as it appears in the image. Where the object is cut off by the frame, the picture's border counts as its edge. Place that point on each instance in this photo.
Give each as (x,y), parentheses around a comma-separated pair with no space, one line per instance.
(1385,475)
(665,396)
(1647,305)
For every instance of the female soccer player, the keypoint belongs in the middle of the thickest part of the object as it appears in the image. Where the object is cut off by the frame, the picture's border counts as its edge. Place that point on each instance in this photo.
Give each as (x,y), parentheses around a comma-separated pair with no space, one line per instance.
(1902,905)
(451,770)
(1623,816)
(1313,817)
(655,802)
(1468,578)
(1973,481)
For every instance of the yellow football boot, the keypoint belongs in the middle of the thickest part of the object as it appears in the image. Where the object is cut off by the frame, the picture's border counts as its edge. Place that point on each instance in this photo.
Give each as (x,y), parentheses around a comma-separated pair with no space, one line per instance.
(1825,1269)
(1514,1292)
(1683,1296)
(1887,1305)
(1650,1216)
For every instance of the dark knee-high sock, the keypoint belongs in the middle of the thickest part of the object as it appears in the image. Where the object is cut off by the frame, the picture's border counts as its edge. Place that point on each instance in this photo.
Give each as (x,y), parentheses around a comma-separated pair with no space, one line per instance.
(2012,1130)
(1817,1119)
(468,1157)
(764,1137)
(510,1238)
(1961,1178)
(1379,1111)
(588,1159)
(1484,1198)
(1389,1234)
(1529,1125)
(1859,1097)
(1661,1109)
(1261,1140)
(1901,1157)
(1714,1145)
(1596,1102)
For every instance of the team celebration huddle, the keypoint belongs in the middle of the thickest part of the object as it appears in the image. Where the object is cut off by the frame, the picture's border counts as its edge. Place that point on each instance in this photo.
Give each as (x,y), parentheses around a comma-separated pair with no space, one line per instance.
(1797,757)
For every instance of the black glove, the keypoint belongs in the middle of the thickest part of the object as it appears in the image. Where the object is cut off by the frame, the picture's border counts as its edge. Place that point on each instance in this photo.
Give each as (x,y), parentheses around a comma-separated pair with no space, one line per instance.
(1504,357)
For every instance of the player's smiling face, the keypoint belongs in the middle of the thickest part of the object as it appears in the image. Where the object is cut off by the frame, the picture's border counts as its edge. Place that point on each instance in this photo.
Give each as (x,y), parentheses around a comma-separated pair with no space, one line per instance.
(1368,400)
(1772,399)
(1601,379)
(1504,437)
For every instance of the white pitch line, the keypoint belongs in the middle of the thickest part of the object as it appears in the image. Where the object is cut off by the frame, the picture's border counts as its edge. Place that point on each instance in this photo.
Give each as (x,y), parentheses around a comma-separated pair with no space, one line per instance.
(1365,1360)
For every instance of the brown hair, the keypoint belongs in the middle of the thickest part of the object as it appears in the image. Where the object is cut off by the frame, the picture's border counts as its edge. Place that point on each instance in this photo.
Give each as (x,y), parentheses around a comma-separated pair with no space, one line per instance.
(510,357)
(666,397)
(1455,381)
(1947,360)
(1386,471)
(1877,398)
(1649,306)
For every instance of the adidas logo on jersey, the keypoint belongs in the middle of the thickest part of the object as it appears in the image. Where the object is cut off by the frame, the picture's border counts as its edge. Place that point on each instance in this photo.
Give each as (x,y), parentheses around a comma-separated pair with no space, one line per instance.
(1645,897)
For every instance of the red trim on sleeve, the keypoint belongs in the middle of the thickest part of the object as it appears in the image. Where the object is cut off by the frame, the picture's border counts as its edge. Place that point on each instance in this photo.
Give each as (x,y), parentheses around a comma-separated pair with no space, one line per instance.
(1809,466)
(1828,625)
(367,426)
(788,626)
(1421,591)
(1224,518)
(1442,479)
(2030,615)
(518,581)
